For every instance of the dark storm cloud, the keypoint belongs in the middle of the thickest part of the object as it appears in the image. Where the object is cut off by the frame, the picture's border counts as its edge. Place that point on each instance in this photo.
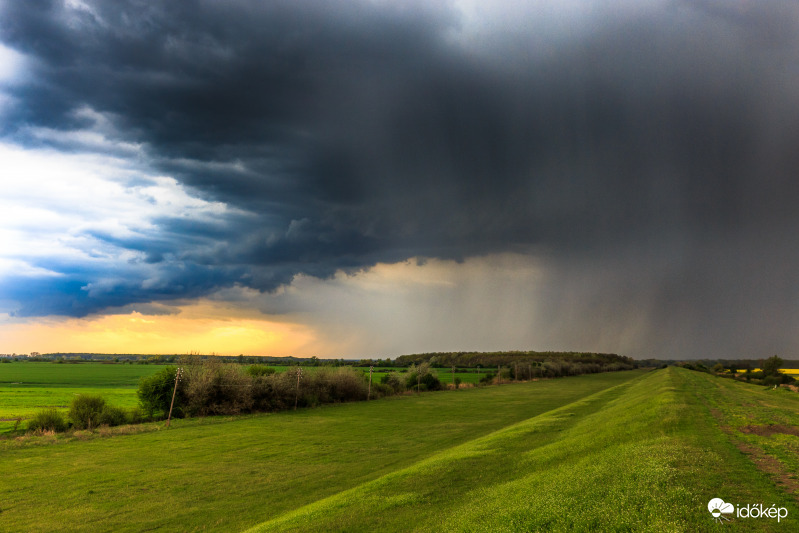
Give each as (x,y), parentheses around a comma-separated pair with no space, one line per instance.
(358,132)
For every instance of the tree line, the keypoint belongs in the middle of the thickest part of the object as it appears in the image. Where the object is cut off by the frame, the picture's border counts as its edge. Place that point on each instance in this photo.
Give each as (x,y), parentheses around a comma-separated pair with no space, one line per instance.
(768,375)
(508,358)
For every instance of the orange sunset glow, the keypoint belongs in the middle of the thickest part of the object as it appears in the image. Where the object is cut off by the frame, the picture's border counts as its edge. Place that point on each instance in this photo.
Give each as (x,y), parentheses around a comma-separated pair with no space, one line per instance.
(200,327)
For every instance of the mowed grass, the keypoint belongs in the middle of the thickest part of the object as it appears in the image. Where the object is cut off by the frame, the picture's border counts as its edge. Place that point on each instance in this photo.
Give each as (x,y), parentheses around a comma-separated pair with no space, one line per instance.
(646,455)
(26,388)
(229,474)
(627,451)
(761,421)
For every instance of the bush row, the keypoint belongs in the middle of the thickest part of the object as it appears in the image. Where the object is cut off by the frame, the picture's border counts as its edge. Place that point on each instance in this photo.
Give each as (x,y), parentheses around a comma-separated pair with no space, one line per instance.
(85,412)
(209,387)
(416,378)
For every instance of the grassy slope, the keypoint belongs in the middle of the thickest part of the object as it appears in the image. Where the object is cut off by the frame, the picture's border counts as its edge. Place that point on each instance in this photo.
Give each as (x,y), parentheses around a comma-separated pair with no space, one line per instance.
(644,456)
(230,474)
(744,410)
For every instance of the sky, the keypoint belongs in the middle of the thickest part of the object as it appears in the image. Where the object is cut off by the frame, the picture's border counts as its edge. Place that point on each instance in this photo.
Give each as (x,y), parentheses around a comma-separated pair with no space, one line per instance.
(369,178)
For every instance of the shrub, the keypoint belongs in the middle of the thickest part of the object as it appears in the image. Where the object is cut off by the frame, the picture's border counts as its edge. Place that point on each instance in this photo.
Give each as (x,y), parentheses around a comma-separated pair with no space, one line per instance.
(381,389)
(344,383)
(274,392)
(778,379)
(137,415)
(216,389)
(422,378)
(412,379)
(260,370)
(264,395)
(431,382)
(113,416)
(155,393)
(48,420)
(488,378)
(393,380)
(85,411)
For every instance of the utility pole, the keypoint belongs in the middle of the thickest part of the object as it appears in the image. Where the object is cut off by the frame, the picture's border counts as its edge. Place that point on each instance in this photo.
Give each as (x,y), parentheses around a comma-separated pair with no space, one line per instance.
(455,386)
(369,394)
(297,392)
(177,378)
(499,374)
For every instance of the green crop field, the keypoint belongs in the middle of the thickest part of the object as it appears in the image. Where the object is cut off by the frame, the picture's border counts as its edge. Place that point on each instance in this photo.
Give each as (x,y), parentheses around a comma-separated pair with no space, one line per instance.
(25,388)
(443,374)
(623,451)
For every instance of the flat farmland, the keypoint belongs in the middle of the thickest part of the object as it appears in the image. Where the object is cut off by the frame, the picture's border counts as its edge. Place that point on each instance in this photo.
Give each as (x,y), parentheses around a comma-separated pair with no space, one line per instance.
(25,387)
(622,451)
(466,375)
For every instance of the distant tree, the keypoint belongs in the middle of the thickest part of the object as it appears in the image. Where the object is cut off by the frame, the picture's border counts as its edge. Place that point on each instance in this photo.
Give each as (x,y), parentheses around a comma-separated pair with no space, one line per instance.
(771,366)
(718,368)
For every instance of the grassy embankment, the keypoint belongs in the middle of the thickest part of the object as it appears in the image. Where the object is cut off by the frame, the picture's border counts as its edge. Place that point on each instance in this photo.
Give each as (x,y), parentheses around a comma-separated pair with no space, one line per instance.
(647,455)
(628,451)
(228,474)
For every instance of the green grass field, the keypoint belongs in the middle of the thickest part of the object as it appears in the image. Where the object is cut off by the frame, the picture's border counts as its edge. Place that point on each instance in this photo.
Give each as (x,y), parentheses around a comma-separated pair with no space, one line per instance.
(444,374)
(646,455)
(25,388)
(625,451)
(466,375)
